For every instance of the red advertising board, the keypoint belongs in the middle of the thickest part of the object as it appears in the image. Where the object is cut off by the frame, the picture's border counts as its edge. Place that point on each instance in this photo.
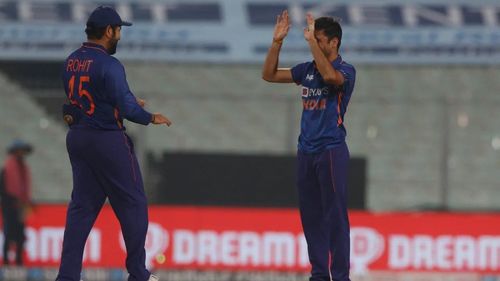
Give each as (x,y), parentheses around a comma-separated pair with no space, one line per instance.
(272,239)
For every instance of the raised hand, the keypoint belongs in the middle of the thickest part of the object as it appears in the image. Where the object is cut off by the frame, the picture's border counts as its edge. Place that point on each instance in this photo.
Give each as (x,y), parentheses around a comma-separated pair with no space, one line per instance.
(282,26)
(309,30)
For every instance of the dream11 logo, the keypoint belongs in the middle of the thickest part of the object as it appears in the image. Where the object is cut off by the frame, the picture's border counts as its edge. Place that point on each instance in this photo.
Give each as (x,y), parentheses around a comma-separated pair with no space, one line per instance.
(156,243)
(367,245)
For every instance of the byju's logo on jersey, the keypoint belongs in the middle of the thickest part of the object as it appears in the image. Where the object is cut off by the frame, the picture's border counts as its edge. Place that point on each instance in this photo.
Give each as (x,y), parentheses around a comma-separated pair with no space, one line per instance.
(305,92)
(314,92)
(310,77)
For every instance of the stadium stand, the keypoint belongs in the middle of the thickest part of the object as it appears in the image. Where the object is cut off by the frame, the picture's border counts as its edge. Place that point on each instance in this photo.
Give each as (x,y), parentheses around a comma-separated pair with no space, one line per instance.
(225,108)
(25,119)
(474,156)
(401,123)
(402,119)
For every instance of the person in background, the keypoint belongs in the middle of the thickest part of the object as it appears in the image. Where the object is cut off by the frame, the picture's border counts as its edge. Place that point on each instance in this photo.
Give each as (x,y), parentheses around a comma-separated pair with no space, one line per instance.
(15,188)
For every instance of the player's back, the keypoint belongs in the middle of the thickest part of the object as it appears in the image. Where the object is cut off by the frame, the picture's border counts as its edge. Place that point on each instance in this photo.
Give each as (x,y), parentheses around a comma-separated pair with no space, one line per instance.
(84,79)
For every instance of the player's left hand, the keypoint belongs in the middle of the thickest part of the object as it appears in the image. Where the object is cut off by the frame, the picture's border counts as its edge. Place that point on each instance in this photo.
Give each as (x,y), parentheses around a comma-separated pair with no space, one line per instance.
(159,119)
(141,102)
(309,30)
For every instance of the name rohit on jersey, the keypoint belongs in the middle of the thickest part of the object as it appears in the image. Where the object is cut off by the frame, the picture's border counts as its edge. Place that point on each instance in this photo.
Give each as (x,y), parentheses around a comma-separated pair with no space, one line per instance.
(76,65)
(314,104)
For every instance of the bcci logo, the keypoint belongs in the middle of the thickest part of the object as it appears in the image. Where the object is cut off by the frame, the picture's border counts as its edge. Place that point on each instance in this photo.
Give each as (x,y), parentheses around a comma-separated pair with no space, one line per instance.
(367,245)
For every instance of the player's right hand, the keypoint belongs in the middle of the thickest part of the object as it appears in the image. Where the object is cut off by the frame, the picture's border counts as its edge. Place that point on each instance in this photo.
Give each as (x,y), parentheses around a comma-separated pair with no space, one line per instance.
(159,119)
(309,30)
(282,26)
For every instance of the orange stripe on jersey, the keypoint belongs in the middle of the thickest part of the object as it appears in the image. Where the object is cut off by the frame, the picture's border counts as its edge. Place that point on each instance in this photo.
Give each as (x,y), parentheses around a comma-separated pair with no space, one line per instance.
(117,117)
(339,101)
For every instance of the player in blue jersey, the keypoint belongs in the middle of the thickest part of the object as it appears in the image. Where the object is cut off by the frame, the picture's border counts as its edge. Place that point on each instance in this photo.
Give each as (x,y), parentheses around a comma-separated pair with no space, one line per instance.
(327,84)
(102,155)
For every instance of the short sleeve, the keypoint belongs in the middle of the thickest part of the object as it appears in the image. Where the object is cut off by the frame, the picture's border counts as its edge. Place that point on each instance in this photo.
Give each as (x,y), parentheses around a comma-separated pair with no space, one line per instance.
(298,73)
(349,74)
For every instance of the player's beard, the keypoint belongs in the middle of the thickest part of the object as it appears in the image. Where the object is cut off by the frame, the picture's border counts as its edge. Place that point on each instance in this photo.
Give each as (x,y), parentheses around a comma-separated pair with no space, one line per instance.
(112,46)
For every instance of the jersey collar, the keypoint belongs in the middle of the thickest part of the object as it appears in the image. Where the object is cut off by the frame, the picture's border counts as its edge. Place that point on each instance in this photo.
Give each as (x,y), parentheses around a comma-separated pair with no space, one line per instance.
(91,45)
(336,63)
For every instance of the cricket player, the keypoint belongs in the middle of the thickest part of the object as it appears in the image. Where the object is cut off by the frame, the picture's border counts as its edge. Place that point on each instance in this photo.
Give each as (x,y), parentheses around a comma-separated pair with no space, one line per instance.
(101,153)
(327,84)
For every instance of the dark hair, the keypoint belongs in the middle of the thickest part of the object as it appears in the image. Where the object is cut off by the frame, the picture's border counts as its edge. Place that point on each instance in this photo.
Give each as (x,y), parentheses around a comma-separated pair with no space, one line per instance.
(330,26)
(94,32)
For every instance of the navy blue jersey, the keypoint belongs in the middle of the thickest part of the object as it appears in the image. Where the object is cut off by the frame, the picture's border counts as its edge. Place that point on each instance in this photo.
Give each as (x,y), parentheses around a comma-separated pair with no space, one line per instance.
(324,106)
(96,86)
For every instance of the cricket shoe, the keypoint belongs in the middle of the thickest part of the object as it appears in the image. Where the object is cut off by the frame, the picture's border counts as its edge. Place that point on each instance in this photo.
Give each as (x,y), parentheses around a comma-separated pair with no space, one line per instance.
(153,278)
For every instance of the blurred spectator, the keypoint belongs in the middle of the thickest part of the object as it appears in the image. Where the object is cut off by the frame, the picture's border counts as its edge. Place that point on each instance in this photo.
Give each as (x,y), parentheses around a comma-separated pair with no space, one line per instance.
(15,186)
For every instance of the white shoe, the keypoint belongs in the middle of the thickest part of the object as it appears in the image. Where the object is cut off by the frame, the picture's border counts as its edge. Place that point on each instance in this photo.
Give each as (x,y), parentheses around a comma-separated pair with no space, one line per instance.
(153,278)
